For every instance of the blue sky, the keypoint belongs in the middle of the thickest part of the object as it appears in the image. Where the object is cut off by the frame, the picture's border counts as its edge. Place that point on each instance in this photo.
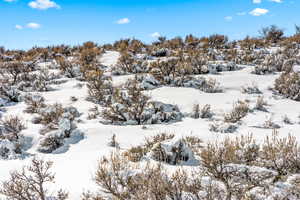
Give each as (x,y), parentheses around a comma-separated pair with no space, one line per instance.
(26,23)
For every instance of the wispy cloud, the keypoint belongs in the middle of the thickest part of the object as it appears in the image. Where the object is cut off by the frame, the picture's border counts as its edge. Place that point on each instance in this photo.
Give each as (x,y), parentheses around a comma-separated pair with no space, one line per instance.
(123,21)
(43,4)
(241,13)
(258,12)
(19,27)
(257,1)
(155,35)
(228,18)
(33,25)
(277,1)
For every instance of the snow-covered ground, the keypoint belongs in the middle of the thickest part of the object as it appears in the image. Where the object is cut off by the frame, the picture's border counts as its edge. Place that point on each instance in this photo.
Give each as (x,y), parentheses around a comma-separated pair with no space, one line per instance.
(75,168)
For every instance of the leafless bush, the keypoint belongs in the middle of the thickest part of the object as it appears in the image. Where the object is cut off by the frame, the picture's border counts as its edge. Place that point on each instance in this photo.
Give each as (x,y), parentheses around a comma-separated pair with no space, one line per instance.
(135,154)
(163,148)
(281,154)
(30,183)
(50,114)
(211,86)
(113,142)
(88,59)
(165,71)
(240,110)
(222,127)
(11,141)
(204,112)
(10,93)
(264,69)
(272,34)
(217,41)
(61,130)
(260,104)
(251,43)
(13,70)
(67,67)
(217,159)
(270,124)
(152,182)
(288,84)
(126,64)
(99,86)
(253,89)
(127,106)
(12,125)
(34,103)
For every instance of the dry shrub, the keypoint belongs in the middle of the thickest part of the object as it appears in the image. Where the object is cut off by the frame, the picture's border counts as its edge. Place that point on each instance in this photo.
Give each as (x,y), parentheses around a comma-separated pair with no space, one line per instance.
(175,156)
(204,112)
(221,161)
(150,141)
(10,93)
(251,89)
(127,106)
(51,143)
(11,141)
(241,150)
(260,104)
(115,181)
(288,84)
(34,103)
(12,125)
(272,34)
(275,153)
(30,183)
(251,43)
(162,69)
(217,41)
(99,86)
(126,63)
(239,111)
(66,67)
(232,170)
(13,71)
(211,85)
(163,149)
(50,114)
(88,59)
(113,142)
(135,154)
(281,154)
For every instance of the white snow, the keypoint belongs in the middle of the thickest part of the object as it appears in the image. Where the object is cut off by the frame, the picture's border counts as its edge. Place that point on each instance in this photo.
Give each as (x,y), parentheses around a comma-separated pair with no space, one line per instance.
(75,167)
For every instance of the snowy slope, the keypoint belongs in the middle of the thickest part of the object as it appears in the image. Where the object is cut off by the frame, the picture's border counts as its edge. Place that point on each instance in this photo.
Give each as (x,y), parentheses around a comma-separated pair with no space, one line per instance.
(74,169)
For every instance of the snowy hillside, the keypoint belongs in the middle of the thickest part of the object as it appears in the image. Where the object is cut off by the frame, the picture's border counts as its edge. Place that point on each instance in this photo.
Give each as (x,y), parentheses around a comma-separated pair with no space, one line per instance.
(172,110)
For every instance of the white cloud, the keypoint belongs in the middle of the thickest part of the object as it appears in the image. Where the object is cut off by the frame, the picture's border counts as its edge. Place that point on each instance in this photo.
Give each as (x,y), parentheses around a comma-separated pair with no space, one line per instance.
(241,13)
(123,21)
(43,4)
(19,27)
(155,35)
(259,12)
(277,1)
(228,18)
(33,25)
(257,1)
